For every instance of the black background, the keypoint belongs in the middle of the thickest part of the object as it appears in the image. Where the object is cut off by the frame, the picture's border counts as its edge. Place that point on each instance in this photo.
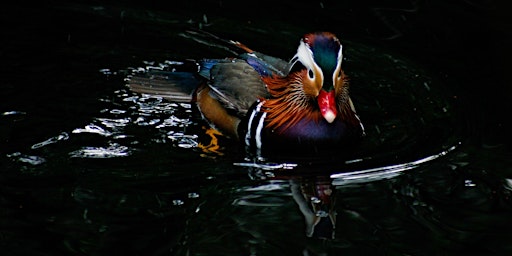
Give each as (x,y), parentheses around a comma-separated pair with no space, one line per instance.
(466,42)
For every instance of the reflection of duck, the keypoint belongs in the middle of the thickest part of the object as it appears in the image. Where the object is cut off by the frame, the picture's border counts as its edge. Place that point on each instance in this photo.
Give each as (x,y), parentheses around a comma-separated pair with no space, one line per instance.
(264,101)
(316,200)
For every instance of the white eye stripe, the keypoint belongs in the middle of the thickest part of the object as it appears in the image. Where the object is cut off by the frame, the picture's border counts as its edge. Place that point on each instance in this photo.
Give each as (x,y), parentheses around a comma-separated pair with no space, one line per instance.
(337,71)
(305,56)
(340,54)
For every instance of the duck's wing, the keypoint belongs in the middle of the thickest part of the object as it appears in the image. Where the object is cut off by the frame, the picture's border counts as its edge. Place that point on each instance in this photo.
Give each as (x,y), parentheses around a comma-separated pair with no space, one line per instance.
(234,83)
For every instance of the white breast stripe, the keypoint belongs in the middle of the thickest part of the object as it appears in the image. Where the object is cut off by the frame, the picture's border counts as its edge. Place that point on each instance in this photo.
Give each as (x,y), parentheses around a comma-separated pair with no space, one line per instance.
(249,124)
(248,133)
(258,133)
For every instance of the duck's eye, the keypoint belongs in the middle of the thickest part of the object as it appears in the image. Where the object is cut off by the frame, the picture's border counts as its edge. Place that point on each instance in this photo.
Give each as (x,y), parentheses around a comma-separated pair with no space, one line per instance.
(311,74)
(340,73)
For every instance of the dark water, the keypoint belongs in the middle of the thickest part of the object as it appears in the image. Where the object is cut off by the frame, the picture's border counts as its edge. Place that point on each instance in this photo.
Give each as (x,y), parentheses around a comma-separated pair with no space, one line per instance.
(90,168)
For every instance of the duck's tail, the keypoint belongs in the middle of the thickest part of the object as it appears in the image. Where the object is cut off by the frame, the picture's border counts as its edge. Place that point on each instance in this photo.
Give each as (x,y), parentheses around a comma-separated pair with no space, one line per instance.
(173,81)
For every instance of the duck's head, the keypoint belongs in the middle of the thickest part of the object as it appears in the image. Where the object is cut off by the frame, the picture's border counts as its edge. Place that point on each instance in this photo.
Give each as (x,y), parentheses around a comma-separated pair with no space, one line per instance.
(318,63)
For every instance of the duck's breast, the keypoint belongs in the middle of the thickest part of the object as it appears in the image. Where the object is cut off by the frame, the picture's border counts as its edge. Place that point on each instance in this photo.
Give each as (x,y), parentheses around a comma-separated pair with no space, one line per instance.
(305,135)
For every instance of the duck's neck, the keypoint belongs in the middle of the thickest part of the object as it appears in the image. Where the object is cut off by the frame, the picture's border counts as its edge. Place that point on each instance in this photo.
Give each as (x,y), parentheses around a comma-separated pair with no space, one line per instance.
(289,104)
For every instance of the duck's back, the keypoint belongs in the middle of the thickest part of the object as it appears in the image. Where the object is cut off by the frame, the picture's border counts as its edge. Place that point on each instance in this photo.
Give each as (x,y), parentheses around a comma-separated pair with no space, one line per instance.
(233,82)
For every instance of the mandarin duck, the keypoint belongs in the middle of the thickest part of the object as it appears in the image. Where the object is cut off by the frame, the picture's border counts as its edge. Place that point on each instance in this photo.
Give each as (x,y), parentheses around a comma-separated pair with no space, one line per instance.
(266,103)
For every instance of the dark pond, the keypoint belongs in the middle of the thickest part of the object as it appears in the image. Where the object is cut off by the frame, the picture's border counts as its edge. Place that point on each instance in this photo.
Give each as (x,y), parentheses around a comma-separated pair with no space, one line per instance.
(90,168)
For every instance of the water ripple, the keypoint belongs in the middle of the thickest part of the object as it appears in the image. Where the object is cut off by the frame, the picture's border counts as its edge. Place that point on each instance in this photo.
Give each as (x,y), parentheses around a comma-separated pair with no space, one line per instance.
(384,172)
(183,140)
(114,122)
(92,128)
(52,140)
(114,150)
(22,158)
(174,121)
(262,170)
(13,113)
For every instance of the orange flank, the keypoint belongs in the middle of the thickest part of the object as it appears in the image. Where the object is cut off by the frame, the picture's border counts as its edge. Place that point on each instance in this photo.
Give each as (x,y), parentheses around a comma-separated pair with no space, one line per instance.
(215,113)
